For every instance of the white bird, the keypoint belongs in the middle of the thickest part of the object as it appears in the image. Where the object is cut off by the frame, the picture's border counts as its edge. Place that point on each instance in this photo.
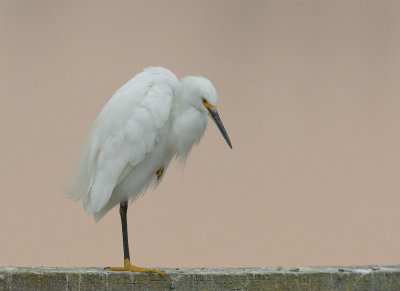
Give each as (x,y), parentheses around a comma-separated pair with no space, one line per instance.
(147,122)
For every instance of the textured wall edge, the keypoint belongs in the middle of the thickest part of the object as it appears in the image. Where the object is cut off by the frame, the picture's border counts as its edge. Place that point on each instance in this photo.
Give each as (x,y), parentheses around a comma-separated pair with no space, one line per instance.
(299,278)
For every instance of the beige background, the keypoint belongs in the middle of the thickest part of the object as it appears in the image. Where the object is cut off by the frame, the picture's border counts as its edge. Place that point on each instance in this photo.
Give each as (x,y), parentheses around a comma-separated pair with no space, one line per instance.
(308,91)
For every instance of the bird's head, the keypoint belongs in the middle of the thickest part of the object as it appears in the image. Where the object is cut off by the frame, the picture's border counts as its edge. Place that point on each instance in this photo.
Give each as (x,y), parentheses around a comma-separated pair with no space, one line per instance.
(200,93)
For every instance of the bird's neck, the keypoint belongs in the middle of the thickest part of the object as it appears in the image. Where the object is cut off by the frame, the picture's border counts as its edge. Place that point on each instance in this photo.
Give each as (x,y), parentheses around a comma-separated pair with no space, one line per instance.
(188,127)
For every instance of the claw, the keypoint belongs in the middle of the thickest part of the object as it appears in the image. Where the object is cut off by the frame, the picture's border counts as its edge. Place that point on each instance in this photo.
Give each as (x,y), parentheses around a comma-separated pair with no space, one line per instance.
(128,267)
(144,270)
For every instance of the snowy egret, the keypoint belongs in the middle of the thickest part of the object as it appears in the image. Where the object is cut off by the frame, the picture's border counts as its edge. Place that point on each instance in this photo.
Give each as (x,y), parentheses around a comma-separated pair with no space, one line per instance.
(147,122)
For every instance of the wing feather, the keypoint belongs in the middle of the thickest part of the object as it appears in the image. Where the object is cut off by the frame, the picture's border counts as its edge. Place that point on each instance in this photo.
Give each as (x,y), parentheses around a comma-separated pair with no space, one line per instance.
(124,132)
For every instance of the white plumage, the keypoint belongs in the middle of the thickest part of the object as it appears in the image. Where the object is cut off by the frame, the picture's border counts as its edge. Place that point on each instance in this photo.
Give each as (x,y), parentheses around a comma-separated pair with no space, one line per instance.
(148,121)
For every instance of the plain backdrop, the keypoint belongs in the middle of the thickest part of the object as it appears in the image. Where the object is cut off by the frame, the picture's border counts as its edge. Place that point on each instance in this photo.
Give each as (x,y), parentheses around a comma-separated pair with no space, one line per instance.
(308,92)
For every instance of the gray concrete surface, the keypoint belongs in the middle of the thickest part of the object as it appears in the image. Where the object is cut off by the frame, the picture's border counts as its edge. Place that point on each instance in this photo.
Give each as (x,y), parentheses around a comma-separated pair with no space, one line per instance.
(301,278)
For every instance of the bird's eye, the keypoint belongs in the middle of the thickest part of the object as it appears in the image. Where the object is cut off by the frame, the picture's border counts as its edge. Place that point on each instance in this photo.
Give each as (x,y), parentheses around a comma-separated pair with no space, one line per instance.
(204,100)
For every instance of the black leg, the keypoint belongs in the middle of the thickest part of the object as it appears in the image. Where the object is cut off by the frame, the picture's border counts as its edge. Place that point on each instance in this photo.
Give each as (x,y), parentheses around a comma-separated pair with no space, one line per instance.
(123,209)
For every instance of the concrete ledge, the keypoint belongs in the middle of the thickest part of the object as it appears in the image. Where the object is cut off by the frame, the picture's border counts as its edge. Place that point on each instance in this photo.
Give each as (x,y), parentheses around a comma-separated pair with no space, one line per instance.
(302,278)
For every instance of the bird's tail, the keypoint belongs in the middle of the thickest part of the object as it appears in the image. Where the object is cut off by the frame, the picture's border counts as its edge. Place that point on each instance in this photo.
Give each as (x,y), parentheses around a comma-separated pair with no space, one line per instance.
(99,215)
(78,186)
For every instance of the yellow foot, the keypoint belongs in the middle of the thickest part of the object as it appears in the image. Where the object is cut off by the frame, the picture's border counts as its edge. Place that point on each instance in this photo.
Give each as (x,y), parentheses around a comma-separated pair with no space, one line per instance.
(128,267)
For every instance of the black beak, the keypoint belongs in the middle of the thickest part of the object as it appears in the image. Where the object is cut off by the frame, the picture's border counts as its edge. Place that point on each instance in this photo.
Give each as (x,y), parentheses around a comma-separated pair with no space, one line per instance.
(215,116)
